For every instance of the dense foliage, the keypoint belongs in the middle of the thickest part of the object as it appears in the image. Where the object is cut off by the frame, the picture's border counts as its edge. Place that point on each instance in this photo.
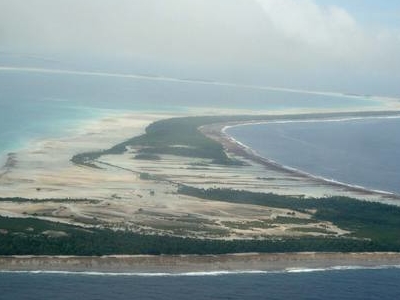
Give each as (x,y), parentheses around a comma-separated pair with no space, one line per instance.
(374,226)
(369,220)
(180,136)
(26,237)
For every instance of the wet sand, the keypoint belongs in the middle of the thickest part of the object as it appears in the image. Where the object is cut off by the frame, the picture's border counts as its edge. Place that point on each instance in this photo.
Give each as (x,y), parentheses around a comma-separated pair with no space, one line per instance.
(218,133)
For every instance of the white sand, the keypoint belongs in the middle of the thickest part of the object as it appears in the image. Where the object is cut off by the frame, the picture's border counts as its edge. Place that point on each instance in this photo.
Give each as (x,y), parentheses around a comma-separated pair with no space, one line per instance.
(46,164)
(124,201)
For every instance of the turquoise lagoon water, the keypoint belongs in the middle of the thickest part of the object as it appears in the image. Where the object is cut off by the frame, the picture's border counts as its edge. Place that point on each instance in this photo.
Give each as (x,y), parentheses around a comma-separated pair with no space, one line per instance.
(41,105)
(36,105)
(23,120)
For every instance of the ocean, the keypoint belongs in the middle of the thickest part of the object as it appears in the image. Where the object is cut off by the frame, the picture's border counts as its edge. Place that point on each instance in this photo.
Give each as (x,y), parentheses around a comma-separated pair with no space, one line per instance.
(357,284)
(38,106)
(35,105)
(362,152)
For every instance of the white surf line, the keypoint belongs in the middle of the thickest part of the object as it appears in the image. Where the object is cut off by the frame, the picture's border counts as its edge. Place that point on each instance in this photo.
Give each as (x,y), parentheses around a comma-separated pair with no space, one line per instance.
(298,171)
(142,274)
(341,268)
(173,79)
(339,119)
(203,273)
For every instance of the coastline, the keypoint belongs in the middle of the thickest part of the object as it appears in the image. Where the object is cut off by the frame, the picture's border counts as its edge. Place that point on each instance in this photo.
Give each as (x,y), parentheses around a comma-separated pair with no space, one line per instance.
(45,163)
(28,163)
(199,264)
(218,133)
(114,194)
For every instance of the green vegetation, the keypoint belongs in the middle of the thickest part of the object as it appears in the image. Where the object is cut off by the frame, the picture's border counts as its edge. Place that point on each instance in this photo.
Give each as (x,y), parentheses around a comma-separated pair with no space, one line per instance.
(180,136)
(377,222)
(311,230)
(177,136)
(374,227)
(27,236)
(148,176)
(33,226)
(292,220)
(86,159)
(53,200)
(147,156)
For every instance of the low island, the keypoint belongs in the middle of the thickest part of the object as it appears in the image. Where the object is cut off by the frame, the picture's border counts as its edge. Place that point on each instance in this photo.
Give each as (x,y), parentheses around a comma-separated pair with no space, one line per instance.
(183,196)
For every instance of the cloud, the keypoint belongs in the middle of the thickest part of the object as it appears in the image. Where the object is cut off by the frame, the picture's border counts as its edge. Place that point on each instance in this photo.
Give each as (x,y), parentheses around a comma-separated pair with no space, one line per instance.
(326,32)
(328,36)
(227,30)
(305,21)
(286,39)
(192,30)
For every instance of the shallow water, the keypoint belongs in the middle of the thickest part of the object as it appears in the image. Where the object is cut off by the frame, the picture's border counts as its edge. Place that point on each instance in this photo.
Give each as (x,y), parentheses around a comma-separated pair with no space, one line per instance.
(36,105)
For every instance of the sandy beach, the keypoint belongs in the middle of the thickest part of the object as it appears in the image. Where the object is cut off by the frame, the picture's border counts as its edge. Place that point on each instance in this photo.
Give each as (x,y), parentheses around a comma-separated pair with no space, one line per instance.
(44,170)
(173,264)
(113,195)
(218,133)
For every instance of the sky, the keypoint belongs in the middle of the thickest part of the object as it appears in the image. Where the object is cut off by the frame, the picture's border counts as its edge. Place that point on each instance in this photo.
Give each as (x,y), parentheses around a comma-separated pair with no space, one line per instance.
(342,45)
(370,12)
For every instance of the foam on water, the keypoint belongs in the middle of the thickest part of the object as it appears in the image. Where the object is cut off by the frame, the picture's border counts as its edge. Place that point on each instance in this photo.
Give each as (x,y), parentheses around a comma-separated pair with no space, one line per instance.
(205,273)
(143,274)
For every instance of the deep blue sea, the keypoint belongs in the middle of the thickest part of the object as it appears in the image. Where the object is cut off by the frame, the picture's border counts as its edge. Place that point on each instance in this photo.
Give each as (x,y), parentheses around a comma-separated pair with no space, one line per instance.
(362,152)
(379,284)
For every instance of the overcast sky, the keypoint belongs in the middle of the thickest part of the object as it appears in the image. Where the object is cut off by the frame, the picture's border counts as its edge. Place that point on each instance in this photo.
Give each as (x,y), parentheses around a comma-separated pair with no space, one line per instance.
(325,44)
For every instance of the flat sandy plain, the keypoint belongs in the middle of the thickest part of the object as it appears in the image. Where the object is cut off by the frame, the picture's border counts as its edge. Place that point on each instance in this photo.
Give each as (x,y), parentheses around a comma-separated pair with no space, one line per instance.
(114,196)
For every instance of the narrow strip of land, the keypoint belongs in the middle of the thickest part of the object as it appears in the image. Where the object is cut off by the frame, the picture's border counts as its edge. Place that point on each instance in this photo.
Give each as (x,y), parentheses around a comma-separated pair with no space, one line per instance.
(217,133)
(199,263)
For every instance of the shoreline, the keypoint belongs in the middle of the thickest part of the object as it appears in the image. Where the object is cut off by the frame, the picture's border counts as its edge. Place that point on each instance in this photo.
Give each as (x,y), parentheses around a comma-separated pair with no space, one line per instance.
(65,128)
(94,124)
(122,199)
(199,264)
(218,133)
(42,169)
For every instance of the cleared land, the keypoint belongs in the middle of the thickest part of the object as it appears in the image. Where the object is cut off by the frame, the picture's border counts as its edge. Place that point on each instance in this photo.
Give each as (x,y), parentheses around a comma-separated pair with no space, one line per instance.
(169,189)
